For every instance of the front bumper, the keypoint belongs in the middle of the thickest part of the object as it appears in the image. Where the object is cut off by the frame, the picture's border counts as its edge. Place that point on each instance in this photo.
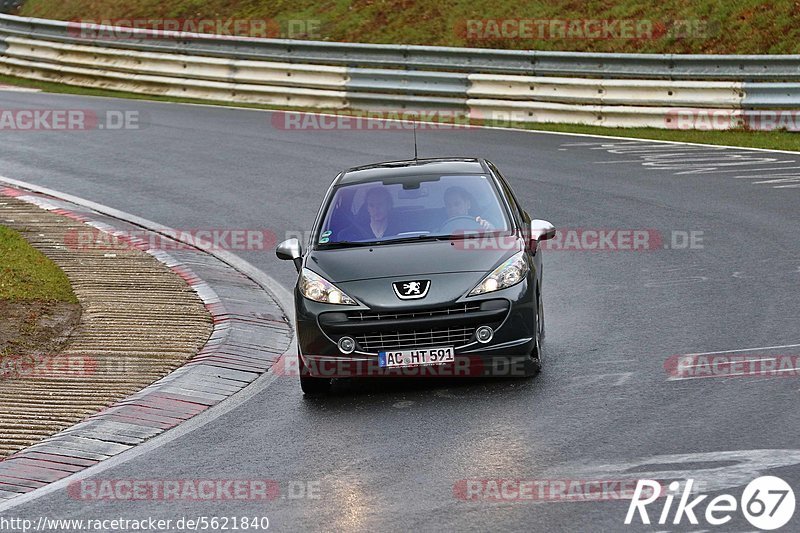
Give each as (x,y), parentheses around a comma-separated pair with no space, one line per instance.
(510,312)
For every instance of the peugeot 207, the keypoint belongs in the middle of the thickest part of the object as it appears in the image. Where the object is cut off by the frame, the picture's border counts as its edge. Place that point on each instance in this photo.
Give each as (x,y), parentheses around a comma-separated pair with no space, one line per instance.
(421,263)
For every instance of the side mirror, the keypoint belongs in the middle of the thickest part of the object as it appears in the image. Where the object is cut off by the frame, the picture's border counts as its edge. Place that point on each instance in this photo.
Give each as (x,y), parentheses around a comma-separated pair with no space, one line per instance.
(541,230)
(290,249)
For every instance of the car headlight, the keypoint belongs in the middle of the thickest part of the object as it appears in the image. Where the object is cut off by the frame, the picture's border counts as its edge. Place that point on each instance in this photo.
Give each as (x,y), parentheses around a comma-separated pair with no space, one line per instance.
(509,273)
(315,287)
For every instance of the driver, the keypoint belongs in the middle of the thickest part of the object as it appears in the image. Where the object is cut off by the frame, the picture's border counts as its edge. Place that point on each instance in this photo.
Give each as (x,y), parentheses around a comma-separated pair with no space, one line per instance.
(458,203)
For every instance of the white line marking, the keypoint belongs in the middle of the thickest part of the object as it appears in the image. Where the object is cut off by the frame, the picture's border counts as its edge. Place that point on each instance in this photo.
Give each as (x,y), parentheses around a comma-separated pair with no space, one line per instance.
(740,374)
(746,349)
(671,282)
(732,362)
(722,469)
(618,378)
(616,162)
(18,89)
(761,170)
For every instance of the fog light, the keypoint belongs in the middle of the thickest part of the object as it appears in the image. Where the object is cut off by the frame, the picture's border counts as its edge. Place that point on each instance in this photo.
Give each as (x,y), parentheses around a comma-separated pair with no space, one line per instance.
(347,345)
(484,334)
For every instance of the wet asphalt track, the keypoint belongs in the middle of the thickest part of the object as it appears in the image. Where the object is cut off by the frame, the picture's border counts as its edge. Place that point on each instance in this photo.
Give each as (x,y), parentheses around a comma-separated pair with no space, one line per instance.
(386,456)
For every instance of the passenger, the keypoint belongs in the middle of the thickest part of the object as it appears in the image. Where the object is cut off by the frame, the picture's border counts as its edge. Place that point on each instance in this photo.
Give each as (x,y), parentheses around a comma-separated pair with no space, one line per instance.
(381,224)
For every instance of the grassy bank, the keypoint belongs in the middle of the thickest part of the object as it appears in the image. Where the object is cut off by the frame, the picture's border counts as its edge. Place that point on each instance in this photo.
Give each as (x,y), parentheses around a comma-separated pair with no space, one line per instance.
(26,274)
(700,26)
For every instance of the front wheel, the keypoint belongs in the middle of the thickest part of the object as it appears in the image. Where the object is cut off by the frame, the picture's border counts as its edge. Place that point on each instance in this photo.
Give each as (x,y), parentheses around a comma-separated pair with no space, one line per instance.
(534,365)
(540,307)
(309,384)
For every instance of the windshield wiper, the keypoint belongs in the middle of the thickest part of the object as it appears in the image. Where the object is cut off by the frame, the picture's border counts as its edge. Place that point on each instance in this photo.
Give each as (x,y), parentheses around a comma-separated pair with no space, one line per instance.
(344,244)
(416,238)
(471,234)
(348,244)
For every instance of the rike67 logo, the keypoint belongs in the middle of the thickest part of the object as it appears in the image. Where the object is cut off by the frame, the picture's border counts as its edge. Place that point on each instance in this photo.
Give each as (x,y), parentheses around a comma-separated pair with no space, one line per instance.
(767,503)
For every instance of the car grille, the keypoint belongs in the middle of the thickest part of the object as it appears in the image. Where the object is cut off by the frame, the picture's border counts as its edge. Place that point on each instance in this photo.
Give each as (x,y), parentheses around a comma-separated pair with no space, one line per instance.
(400,340)
(410,327)
(433,313)
(413,338)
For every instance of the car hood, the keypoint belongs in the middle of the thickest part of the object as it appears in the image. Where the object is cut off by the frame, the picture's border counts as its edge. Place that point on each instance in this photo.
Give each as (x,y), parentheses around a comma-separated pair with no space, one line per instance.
(411,259)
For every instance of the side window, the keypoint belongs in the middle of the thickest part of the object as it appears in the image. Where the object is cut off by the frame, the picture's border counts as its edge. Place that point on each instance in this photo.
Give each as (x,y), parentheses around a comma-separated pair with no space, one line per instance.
(519,213)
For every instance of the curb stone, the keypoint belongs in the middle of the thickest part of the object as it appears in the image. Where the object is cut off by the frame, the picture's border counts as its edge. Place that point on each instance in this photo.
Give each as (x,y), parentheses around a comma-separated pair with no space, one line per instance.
(250,333)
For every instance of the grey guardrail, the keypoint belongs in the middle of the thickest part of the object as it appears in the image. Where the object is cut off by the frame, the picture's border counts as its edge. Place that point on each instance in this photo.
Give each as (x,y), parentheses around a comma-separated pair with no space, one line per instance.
(765,95)
(663,91)
(519,62)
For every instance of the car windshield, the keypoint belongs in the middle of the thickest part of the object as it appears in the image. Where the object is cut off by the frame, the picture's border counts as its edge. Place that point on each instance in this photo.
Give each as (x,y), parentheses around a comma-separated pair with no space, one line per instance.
(413,207)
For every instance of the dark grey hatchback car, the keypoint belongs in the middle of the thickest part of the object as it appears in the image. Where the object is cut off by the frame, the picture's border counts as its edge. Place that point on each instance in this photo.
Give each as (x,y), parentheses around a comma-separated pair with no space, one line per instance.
(421,267)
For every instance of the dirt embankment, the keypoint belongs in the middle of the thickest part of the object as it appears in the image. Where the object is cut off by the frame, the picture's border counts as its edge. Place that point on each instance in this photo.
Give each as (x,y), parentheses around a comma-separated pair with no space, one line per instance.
(36,327)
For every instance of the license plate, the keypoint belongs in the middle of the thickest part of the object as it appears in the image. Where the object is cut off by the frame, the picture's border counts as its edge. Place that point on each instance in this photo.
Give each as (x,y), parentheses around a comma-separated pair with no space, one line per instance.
(416,357)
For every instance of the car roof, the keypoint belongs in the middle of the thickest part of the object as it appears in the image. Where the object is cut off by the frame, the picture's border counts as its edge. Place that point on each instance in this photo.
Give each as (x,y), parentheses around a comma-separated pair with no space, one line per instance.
(413,167)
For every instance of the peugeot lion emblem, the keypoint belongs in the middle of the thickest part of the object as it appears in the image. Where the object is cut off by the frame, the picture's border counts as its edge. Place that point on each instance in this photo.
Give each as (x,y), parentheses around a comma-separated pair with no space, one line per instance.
(411,290)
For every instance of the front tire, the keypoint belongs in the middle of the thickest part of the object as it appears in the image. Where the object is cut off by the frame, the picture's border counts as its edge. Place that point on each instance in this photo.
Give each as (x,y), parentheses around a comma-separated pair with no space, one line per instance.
(534,365)
(540,307)
(310,385)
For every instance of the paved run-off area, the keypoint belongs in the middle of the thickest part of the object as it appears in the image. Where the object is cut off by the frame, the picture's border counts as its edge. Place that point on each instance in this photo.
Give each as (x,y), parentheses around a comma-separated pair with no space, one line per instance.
(140,321)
